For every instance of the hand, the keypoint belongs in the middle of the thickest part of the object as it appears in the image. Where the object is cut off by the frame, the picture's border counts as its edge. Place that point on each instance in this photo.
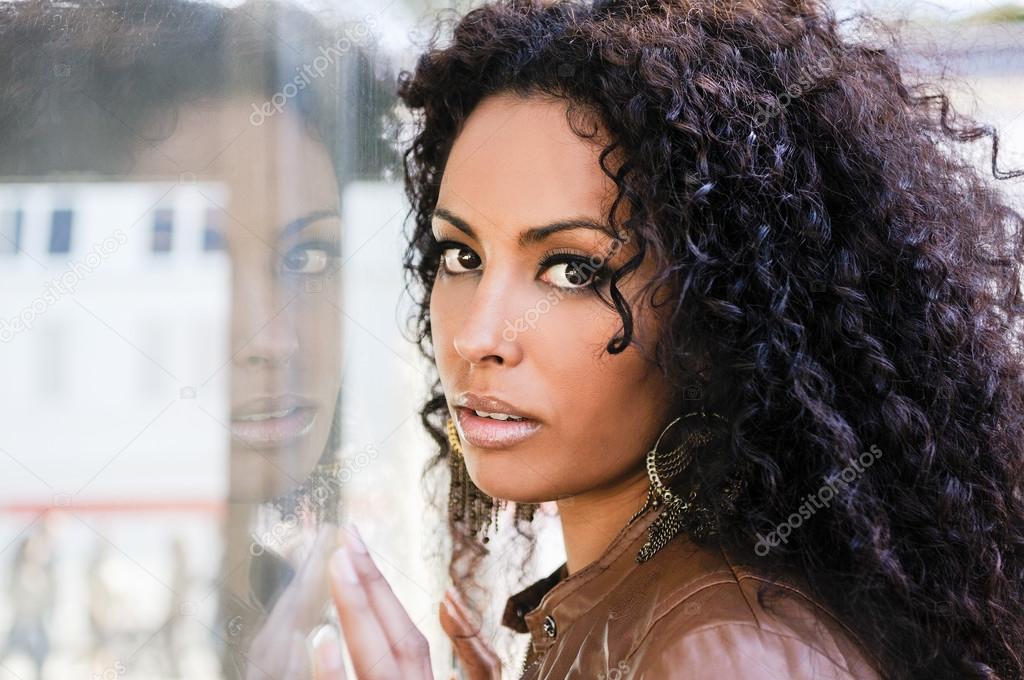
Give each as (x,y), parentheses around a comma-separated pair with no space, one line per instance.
(383,641)
(278,651)
(479,660)
(381,637)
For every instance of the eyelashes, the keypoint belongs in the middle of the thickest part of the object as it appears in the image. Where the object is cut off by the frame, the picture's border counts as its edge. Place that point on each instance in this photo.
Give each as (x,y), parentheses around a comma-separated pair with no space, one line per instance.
(462,252)
(310,258)
(579,273)
(588,271)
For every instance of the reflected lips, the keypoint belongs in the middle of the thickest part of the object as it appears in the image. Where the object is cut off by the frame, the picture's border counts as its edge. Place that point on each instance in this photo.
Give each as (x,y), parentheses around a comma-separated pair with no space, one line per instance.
(271,421)
(488,433)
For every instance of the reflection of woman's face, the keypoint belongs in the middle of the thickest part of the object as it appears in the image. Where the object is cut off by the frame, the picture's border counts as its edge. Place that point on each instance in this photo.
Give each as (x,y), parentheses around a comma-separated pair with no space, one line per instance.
(281,230)
(513,319)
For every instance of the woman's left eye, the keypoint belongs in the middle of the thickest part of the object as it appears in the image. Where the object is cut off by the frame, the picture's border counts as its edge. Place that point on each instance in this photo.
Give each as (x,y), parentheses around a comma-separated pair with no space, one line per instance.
(309,259)
(572,273)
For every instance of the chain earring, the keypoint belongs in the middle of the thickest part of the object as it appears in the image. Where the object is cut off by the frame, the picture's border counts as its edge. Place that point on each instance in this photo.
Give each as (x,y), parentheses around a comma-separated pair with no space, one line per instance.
(467,504)
(676,512)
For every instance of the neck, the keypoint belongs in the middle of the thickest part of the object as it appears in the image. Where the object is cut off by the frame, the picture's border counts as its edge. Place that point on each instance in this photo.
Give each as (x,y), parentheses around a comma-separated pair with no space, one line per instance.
(591,520)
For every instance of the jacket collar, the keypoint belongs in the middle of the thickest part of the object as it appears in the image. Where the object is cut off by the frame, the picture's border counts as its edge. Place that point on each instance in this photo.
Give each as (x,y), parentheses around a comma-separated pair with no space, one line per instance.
(552,597)
(528,599)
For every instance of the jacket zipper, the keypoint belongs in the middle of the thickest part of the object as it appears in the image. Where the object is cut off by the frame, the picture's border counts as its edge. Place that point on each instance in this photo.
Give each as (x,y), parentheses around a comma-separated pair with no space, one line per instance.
(527,665)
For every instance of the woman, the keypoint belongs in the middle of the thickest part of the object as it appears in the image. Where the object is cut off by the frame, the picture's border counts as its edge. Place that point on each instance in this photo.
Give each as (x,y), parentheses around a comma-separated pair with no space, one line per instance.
(712,277)
(192,97)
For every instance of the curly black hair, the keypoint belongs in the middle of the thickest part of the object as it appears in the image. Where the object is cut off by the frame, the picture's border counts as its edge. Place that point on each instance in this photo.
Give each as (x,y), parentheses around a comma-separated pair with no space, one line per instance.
(842,272)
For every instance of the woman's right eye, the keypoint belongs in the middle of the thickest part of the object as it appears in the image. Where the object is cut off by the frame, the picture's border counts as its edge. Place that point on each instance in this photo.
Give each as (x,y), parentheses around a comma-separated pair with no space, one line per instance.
(457,258)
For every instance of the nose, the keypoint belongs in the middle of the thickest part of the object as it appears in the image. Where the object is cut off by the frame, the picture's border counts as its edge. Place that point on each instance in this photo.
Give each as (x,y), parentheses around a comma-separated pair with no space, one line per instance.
(488,333)
(264,330)
(273,346)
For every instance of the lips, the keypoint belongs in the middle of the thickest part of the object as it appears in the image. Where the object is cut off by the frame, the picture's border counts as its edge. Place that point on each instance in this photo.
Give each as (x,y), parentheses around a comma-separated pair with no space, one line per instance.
(489,433)
(491,404)
(269,422)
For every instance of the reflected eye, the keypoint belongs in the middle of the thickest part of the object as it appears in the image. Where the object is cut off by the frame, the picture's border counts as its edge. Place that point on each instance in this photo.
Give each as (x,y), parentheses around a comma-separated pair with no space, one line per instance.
(309,258)
(457,258)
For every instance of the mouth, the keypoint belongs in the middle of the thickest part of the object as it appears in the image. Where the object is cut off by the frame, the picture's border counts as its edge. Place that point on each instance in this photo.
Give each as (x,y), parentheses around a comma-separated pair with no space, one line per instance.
(490,430)
(272,421)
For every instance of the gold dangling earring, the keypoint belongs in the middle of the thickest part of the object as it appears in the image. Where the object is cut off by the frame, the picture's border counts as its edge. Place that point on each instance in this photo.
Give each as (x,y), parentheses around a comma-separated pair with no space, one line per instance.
(467,504)
(664,467)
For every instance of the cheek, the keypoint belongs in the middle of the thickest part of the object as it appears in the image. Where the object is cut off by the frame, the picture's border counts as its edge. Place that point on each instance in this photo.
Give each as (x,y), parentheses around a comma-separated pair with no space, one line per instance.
(318,328)
(437,318)
(441,325)
(597,395)
(569,349)
(573,335)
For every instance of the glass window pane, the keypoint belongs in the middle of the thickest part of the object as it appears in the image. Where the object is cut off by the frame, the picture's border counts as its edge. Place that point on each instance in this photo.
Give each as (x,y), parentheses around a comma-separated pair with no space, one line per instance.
(163,230)
(60,231)
(10,231)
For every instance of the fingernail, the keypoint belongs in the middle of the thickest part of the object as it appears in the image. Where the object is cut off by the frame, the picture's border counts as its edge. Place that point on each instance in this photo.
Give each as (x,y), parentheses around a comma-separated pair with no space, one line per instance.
(356,540)
(328,651)
(330,656)
(341,567)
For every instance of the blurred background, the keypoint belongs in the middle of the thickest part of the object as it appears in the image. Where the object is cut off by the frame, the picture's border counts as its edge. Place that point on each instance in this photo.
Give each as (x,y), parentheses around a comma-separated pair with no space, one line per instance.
(203,337)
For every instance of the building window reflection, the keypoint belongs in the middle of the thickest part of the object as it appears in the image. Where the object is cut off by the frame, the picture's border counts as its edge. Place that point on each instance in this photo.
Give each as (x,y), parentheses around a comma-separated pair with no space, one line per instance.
(60,231)
(10,231)
(213,237)
(163,230)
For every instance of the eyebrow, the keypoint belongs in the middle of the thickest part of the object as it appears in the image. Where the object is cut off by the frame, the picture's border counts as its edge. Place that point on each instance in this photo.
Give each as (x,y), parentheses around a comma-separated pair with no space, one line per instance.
(532,235)
(300,223)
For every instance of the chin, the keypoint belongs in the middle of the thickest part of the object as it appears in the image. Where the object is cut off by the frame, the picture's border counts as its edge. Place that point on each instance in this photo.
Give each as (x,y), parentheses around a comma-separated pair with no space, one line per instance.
(519,484)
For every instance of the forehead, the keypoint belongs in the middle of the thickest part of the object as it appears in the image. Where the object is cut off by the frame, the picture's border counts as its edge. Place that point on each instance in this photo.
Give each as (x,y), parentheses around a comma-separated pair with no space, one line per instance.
(516,162)
(273,172)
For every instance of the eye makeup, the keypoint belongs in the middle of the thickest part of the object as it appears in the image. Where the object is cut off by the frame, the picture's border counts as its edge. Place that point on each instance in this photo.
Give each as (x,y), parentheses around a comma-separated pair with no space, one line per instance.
(583,272)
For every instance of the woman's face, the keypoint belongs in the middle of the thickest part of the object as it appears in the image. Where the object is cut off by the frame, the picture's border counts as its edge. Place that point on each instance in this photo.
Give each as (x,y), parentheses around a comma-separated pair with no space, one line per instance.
(513,319)
(280,224)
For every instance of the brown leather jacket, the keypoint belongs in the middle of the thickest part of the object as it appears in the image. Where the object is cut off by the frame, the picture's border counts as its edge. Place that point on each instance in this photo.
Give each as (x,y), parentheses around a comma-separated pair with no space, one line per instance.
(688,612)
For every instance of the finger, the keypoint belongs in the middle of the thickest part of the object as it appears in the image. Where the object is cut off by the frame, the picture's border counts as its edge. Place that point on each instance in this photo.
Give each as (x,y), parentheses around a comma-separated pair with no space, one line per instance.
(264,668)
(367,644)
(311,586)
(408,644)
(273,641)
(299,605)
(270,650)
(328,661)
(457,607)
(297,595)
(475,650)
(297,667)
(475,654)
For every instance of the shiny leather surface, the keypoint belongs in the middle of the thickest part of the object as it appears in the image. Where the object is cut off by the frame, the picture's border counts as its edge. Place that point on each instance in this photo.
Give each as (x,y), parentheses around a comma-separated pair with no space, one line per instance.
(689,612)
